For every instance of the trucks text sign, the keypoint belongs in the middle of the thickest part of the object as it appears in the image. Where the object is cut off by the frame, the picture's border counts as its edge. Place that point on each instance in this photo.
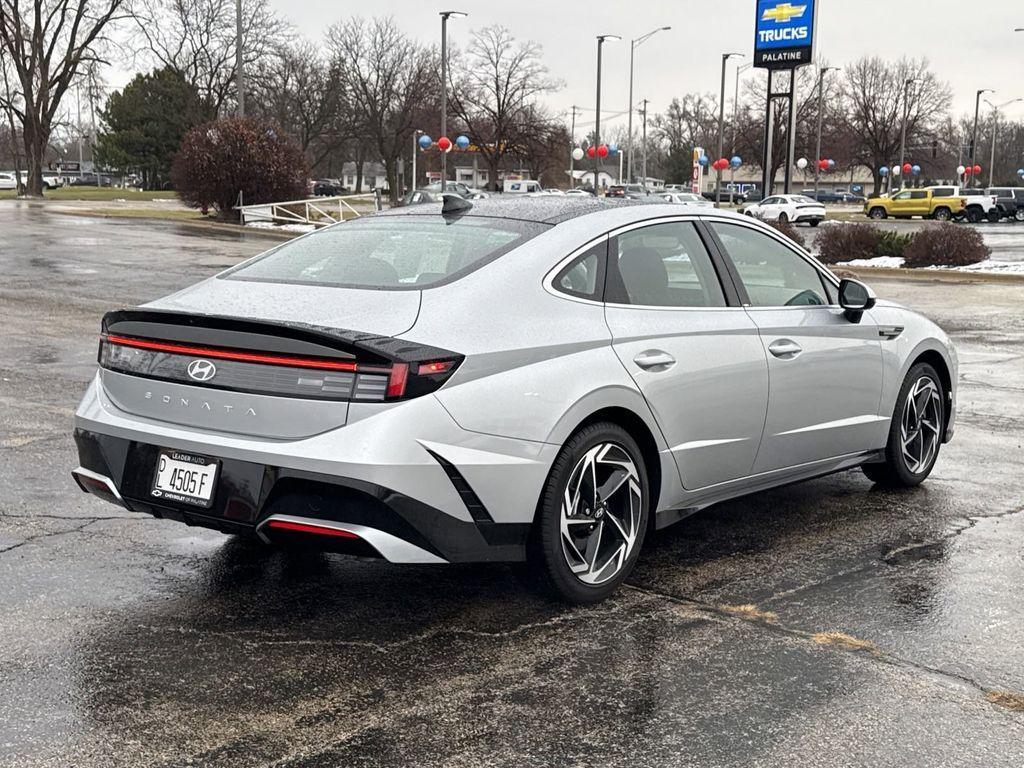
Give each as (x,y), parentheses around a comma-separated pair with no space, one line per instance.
(784,33)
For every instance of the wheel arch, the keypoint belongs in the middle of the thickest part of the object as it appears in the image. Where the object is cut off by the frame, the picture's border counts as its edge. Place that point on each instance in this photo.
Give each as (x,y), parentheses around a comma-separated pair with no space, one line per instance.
(936,360)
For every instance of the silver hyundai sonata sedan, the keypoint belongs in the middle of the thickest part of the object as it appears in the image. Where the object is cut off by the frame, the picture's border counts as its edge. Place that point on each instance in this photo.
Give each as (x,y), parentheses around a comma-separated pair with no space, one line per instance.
(540,380)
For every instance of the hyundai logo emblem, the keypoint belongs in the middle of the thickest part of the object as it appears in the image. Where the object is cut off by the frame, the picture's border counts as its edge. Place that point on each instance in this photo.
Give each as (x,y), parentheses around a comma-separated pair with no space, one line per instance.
(202,370)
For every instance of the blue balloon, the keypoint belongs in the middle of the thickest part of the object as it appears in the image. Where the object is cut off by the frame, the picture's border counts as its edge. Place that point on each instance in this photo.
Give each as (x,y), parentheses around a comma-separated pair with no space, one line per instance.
(462,142)
(1020,171)
(613,148)
(915,170)
(856,188)
(884,171)
(425,141)
(736,161)
(703,160)
(831,164)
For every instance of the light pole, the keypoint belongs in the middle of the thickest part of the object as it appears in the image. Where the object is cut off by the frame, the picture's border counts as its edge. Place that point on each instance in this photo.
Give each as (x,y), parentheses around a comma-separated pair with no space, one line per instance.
(995,115)
(974,134)
(597,121)
(644,140)
(445,15)
(239,71)
(817,151)
(415,146)
(735,121)
(906,116)
(572,147)
(721,127)
(633,45)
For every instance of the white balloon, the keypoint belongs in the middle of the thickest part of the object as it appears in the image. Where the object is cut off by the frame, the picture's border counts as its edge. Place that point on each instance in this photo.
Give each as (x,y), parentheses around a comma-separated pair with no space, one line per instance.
(960,170)
(896,170)
(801,163)
(577,154)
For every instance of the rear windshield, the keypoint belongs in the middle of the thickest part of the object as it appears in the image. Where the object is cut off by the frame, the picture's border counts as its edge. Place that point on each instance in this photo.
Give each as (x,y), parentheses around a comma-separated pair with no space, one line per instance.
(392,252)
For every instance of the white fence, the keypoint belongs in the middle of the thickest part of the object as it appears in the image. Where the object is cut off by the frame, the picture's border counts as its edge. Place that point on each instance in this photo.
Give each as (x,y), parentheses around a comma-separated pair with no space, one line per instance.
(318,211)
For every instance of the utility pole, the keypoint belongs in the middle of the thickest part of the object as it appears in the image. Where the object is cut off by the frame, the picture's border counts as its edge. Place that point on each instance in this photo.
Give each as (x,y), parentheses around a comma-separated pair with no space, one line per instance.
(572,147)
(597,120)
(445,15)
(903,132)
(995,117)
(239,68)
(974,134)
(645,102)
(721,128)
(735,122)
(81,158)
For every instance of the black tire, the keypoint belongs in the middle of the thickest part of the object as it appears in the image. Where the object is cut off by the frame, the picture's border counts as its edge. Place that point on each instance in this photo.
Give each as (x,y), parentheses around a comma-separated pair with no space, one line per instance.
(1018,215)
(894,472)
(974,215)
(814,222)
(994,217)
(876,213)
(783,218)
(942,214)
(547,560)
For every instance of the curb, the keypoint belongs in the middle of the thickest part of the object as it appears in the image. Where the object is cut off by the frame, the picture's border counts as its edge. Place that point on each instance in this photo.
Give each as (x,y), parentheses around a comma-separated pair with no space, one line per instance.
(196,224)
(934,275)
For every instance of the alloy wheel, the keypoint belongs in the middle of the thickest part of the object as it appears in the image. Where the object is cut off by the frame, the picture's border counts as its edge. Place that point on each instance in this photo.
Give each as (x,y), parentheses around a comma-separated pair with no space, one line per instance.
(921,425)
(601,511)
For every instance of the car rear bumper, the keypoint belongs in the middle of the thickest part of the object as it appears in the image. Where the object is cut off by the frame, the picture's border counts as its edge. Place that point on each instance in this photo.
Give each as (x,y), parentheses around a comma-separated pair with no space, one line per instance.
(404,498)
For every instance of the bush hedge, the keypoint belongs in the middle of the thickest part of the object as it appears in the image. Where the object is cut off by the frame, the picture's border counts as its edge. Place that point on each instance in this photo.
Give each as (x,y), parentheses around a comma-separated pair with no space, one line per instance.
(846,242)
(946,245)
(251,156)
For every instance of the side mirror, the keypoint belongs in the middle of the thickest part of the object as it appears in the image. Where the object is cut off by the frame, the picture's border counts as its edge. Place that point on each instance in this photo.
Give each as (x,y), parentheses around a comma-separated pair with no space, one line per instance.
(855,298)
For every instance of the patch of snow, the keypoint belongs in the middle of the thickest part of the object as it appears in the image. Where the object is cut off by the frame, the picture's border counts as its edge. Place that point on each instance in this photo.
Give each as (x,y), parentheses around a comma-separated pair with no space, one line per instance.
(990,266)
(887,262)
(282,227)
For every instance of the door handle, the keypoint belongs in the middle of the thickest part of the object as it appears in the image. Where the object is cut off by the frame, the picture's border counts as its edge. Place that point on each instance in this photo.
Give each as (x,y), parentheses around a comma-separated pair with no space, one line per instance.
(785,349)
(654,360)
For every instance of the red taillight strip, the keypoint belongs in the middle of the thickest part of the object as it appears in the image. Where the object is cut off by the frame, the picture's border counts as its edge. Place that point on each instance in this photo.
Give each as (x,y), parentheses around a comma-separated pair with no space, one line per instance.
(287,525)
(225,354)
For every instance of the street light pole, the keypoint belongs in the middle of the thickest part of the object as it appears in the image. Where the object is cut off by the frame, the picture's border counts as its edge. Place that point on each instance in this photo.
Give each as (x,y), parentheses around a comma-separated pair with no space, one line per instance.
(415,146)
(633,45)
(974,134)
(597,120)
(644,139)
(817,151)
(906,116)
(572,148)
(735,120)
(445,15)
(721,128)
(239,69)
(995,115)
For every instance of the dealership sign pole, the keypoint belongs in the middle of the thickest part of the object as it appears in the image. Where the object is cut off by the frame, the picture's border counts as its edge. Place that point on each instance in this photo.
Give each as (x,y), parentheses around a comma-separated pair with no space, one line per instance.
(783,39)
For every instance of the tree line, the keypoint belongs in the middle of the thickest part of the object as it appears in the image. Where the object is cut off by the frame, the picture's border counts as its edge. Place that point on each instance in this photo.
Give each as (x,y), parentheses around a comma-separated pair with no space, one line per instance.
(362,93)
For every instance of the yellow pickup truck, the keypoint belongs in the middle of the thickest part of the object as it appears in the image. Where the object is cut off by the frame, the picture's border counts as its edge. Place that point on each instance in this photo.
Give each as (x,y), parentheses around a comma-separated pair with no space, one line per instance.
(929,203)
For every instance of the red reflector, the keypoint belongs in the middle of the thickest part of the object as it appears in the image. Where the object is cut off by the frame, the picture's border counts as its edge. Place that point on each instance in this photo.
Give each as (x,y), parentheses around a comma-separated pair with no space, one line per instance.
(396,381)
(321,530)
(226,354)
(437,367)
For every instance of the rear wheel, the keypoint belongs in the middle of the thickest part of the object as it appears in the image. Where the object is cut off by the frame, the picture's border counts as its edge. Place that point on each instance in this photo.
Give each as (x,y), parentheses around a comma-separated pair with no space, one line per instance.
(974,214)
(942,214)
(877,213)
(994,217)
(1018,215)
(783,217)
(915,433)
(813,222)
(592,515)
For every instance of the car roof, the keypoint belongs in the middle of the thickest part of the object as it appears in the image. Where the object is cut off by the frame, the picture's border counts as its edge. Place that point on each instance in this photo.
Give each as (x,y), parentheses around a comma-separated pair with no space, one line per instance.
(547,209)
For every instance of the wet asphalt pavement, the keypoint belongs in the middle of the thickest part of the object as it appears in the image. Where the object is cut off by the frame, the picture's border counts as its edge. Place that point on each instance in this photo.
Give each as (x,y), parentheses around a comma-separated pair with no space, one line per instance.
(826,623)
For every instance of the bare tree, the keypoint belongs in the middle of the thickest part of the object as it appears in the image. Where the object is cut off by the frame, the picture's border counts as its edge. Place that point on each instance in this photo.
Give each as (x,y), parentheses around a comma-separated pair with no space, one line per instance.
(389,78)
(304,92)
(496,86)
(689,122)
(876,97)
(46,43)
(197,38)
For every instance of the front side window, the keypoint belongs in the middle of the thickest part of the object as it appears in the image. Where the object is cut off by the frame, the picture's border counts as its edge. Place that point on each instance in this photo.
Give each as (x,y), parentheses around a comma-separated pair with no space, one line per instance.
(389,252)
(902,196)
(664,265)
(773,275)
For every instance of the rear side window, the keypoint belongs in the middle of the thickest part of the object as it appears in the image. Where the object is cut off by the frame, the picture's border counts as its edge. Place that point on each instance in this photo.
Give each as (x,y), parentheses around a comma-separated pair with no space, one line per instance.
(584,276)
(392,252)
(918,194)
(942,192)
(663,265)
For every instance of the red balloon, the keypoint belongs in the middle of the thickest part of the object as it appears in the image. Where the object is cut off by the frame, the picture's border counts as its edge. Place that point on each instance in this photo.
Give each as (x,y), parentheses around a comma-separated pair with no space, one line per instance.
(907,168)
(444,143)
(591,152)
(968,171)
(602,151)
(977,170)
(823,165)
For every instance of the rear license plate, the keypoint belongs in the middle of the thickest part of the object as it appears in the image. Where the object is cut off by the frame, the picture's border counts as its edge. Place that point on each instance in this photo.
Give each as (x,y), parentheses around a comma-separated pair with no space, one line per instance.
(185,478)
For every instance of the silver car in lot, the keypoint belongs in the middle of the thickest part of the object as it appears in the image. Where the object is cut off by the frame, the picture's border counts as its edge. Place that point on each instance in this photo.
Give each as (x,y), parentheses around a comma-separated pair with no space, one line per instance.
(540,380)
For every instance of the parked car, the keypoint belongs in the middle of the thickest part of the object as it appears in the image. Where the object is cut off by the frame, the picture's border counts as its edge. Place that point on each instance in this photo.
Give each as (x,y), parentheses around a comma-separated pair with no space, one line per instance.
(418,196)
(794,208)
(929,203)
(327,393)
(579,192)
(1010,201)
(521,186)
(329,188)
(977,205)
(8,181)
(687,198)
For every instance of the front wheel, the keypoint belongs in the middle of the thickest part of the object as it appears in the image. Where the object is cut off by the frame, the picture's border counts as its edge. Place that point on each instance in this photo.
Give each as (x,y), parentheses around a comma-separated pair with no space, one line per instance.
(974,215)
(592,515)
(783,218)
(994,217)
(877,213)
(915,433)
(1018,215)
(813,222)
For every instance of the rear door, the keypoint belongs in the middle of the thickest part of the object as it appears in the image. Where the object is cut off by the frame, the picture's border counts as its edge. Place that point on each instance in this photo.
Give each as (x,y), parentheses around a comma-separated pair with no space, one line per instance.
(678,329)
(825,372)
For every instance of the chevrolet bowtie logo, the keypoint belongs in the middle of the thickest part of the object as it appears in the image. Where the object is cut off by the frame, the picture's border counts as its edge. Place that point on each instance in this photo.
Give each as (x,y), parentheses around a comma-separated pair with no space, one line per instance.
(783,12)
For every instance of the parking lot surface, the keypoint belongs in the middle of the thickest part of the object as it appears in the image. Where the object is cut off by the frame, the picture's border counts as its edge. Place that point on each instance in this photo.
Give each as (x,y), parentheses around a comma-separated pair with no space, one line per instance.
(827,623)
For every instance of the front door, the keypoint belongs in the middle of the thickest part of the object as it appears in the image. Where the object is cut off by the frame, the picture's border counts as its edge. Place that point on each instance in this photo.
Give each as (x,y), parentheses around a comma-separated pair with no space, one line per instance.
(825,372)
(695,355)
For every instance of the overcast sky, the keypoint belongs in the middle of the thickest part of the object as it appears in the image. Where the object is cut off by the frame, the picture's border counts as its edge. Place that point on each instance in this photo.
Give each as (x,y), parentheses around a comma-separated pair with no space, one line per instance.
(971,44)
